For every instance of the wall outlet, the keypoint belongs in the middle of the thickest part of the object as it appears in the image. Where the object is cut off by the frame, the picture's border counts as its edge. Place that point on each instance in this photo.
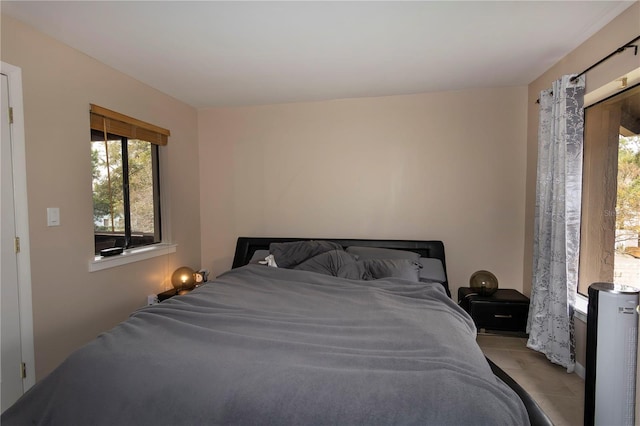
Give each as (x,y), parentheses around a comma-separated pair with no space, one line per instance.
(152,299)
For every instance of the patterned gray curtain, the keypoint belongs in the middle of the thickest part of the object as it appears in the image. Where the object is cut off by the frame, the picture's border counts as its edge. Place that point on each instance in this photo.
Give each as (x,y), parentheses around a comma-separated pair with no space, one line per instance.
(556,243)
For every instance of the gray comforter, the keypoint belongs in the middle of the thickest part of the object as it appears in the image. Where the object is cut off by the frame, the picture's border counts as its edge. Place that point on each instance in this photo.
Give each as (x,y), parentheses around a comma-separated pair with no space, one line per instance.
(281,347)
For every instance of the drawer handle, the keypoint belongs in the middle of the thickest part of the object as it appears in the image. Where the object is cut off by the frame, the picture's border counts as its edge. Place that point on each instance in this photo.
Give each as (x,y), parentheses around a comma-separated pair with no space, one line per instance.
(502,316)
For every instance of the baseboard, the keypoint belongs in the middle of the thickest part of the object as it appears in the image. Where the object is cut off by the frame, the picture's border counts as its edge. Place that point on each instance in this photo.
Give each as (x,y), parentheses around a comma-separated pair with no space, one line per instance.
(579,370)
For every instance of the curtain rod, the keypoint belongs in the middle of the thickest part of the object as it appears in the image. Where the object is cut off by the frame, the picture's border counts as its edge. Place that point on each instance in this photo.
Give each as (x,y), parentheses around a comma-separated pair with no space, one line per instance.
(615,52)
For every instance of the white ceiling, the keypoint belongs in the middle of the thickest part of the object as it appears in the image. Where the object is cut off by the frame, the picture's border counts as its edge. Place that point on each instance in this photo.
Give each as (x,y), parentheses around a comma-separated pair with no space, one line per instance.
(208,53)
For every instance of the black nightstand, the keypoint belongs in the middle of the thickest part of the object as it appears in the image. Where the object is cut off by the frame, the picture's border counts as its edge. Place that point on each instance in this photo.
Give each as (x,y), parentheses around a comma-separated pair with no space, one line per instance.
(504,310)
(170,293)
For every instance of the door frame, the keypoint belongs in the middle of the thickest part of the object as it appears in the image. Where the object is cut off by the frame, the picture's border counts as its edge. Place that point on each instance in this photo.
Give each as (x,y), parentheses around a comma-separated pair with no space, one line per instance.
(14,75)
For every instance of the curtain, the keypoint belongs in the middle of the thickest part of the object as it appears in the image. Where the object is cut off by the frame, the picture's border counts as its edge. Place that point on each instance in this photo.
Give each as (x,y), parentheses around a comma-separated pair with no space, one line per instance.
(556,241)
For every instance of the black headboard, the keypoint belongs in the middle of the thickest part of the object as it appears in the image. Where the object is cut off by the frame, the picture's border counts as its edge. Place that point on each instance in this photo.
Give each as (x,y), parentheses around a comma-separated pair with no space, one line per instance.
(247,246)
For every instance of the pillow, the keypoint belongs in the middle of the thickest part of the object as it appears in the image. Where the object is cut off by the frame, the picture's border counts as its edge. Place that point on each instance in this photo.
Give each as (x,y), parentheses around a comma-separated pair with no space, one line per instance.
(354,271)
(432,270)
(396,268)
(328,263)
(381,253)
(288,255)
(259,255)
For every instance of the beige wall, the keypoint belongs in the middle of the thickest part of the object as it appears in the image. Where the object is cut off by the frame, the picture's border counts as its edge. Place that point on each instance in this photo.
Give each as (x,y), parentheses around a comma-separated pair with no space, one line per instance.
(443,166)
(71,306)
(618,32)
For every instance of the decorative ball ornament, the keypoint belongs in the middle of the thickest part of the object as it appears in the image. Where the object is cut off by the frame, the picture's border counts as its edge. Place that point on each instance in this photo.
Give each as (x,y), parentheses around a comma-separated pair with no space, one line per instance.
(484,283)
(183,279)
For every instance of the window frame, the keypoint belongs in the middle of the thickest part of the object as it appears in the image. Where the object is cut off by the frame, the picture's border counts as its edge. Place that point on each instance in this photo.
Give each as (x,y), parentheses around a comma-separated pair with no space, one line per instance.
(126,199)
(593,247)
(131,128)
(99,263)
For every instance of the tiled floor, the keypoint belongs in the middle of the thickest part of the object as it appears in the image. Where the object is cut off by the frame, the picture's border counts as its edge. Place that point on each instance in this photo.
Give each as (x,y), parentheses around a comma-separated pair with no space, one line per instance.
(560,394)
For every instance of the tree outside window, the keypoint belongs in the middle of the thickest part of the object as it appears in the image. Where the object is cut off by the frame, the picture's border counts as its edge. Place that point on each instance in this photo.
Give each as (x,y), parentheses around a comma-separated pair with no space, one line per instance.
(125,193)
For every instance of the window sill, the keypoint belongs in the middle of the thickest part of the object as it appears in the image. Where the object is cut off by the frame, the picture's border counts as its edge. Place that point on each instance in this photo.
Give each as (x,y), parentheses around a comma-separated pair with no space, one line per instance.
(580,308)
(132,255)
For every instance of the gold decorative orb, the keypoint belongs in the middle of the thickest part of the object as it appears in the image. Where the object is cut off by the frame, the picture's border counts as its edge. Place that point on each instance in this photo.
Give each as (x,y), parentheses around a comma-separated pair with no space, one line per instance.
(183,278)
(484,283)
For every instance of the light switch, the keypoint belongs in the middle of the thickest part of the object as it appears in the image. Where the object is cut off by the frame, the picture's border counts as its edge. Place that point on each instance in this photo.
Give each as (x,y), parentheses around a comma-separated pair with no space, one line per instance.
(53,216)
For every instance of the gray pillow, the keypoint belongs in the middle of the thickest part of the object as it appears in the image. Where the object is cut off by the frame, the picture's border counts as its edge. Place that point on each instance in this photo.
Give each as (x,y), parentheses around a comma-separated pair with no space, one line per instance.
(328,263)
(288,255)
(432,270)
(354,271)
(259,255)
(391,268)
(381,253)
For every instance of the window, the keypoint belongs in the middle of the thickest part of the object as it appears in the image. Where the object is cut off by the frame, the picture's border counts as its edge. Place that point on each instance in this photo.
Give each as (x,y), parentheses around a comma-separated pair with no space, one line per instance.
(126,184)
(610,229)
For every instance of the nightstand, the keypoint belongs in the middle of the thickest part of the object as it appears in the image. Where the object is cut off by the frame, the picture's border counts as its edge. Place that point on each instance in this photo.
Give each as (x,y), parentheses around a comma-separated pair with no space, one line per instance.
(170,293)
(504,310)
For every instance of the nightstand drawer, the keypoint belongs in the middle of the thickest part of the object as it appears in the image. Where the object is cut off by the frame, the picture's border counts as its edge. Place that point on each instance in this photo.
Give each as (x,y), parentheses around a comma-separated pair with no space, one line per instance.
(499,316)
(504,310)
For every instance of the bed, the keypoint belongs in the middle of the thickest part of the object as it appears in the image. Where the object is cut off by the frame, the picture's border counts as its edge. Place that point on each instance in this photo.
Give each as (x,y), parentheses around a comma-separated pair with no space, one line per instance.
(291,345)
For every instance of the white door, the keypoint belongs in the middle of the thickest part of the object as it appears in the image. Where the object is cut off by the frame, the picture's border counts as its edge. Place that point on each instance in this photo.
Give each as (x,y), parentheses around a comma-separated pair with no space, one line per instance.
(11,346)
(17,356)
